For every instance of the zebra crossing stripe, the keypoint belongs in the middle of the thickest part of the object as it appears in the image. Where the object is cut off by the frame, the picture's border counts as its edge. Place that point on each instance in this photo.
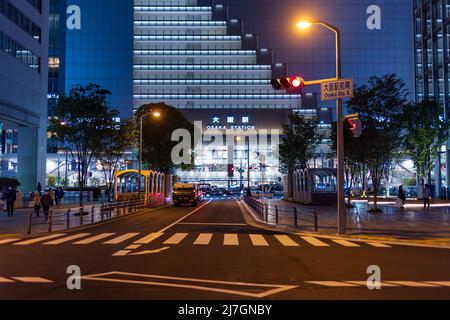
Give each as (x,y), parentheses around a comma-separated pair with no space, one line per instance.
(5,241)
(67,239)
(258,240)
(149,238)
(230,240)
(94,238)
(5,280)
(176,239)
(346,243)
(203,239)
(315,242)
(36,240)
(332,284)
(122,238)
(286,241)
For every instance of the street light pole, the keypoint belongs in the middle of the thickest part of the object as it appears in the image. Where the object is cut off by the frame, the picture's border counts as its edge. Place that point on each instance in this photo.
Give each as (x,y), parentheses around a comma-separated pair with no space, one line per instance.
(248,162)
(342,212)
(141,118)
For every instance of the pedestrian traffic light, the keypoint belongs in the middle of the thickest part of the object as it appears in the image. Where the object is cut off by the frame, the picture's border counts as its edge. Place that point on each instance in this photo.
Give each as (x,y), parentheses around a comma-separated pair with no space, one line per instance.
(353,125)
(288,83)
(231,170)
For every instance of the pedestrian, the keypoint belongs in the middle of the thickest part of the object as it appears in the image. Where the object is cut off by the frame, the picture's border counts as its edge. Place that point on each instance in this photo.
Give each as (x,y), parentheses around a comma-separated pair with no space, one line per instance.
(10,198)
(60,196)
(426,195)
(46,203)
(52,196)
(402,196)
(37,203)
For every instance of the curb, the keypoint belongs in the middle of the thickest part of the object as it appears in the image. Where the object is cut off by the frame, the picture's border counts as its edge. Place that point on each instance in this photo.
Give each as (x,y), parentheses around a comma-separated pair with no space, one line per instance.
(253,221)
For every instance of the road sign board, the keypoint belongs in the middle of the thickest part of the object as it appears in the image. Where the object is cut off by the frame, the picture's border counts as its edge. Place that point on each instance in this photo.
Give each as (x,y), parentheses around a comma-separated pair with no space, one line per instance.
(338,89)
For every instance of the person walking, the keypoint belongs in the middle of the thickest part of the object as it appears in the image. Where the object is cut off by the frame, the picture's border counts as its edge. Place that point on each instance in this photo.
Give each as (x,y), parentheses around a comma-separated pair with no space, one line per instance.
(52,196)
(10,198)
(46,202)
(426,195)
(402,196)
(37,203)
(60,196)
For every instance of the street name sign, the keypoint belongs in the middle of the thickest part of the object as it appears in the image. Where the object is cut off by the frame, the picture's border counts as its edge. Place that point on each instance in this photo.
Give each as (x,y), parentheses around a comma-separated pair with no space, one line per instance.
(339,89)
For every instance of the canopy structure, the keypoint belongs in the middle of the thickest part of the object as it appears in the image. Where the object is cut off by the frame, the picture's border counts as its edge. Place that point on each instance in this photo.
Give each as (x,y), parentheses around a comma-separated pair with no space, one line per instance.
(152,186)
(315,186)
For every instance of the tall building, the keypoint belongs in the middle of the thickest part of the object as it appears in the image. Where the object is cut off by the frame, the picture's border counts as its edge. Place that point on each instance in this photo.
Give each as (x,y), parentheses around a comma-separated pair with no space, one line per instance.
(432,66)
(23,89)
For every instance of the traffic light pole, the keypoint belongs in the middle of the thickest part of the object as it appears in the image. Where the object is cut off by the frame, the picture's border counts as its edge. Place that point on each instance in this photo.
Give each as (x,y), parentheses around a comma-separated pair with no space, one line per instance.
(342,211)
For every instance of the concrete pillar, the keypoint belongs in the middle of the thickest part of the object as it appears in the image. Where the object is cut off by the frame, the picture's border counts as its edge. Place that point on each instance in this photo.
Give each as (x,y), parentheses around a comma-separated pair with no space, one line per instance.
(31,158)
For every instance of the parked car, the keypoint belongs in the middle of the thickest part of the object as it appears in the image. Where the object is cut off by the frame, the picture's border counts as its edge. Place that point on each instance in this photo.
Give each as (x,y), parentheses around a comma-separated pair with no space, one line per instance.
(186,193)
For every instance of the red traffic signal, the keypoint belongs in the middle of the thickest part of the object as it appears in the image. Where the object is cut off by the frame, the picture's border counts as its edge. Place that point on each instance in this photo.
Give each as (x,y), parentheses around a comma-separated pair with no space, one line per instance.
(231,170)
(288,83)
(353,124)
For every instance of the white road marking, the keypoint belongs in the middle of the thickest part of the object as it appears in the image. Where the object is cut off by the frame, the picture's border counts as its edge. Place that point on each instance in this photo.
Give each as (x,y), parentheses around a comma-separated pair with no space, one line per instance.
(36,240)
(378,245)
(122,238)
(364,284)
(414,284)
(203,239)
(346,243)
(5,280)
(67,239)
(121,253)
(95,238)
(149,238)
(181,219)
(258,240)
(286,241)
(5,241)
(439,283)
(315,242)
(133,246)
(140,253)
(230,240)
(176,239)
(274,289)
(32,279)
(333,284)
(213,224)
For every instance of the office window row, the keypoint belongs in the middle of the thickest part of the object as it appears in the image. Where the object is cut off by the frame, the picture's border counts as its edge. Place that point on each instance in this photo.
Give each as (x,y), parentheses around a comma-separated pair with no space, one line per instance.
(37,4)
(16,50)
(19,19)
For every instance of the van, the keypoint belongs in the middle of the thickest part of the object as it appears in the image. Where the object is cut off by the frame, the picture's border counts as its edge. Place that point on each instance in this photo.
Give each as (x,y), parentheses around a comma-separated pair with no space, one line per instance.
(186,193)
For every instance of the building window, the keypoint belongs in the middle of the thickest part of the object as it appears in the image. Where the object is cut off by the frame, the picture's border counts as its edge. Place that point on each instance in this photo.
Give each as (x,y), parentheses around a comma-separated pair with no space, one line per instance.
(16,50)
(20,20)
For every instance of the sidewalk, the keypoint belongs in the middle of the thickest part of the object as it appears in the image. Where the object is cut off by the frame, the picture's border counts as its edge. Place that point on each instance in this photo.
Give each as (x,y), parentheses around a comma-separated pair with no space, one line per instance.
(18,223)
(412,223)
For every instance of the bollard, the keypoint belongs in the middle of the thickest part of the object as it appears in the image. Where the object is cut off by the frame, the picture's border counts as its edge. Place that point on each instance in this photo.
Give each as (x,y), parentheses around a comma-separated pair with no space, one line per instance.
(92,214)
(295,217)
(316,222)
(276,214)
(50,221)
(30,217)
(81,215)
(68,219)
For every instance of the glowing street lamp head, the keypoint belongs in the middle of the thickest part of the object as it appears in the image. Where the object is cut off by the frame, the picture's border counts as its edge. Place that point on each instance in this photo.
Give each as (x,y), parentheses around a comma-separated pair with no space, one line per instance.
(157,114)
(303,25)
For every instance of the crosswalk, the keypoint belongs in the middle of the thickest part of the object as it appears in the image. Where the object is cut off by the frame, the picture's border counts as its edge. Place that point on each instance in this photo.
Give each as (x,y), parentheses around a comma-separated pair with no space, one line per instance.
(228,240)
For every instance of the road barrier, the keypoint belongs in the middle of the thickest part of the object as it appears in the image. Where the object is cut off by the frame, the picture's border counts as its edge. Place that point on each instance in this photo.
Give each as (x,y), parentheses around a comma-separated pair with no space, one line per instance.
(61,219)
(283,215)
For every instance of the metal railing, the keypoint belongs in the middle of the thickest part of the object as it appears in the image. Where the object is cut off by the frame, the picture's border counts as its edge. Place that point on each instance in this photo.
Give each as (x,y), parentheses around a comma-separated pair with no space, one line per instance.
(284,215)
(62,219)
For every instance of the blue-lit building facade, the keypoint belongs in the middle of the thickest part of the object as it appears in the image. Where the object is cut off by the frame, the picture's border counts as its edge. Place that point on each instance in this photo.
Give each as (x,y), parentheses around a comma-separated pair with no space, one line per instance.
(220,55)
(23,90)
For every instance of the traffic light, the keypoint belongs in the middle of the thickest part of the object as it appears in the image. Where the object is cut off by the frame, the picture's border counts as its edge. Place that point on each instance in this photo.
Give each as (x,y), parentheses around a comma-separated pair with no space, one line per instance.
(231,170)
(353,125)
(288,83)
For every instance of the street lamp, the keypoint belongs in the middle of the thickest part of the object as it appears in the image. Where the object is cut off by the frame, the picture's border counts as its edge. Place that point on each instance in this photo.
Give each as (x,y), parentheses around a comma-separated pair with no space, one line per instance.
(154,114)
(342,219)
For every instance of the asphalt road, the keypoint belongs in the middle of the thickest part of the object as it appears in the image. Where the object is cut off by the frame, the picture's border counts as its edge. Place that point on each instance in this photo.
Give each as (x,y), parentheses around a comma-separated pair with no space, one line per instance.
(208,253)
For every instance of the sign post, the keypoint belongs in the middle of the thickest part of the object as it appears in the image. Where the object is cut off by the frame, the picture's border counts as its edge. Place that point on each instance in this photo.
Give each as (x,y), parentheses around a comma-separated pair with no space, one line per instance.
(335,90)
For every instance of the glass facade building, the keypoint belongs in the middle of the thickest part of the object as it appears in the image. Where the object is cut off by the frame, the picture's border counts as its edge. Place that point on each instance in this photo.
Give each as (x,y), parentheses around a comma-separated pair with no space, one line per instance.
(432,66)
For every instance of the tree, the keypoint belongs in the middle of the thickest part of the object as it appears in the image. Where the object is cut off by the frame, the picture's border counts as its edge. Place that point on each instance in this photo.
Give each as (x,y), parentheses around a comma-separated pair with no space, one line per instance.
(426,132)
(82,121)
(120,137)
(298,144)
(157,134)
(380,105)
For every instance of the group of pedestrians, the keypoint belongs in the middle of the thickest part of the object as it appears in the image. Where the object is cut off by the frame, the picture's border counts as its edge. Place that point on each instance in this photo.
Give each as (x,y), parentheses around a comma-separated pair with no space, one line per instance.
(426,196)
(8,198)
(47,200)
